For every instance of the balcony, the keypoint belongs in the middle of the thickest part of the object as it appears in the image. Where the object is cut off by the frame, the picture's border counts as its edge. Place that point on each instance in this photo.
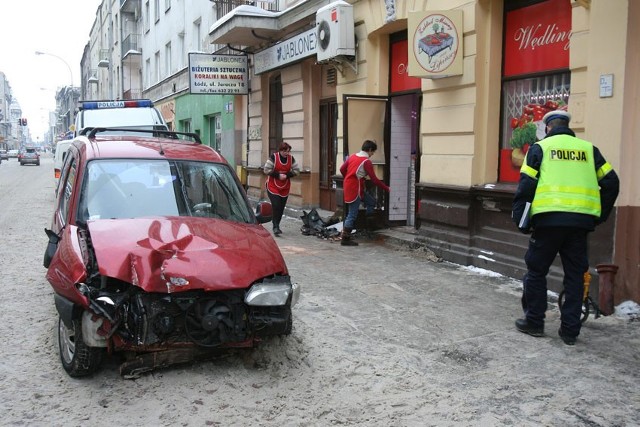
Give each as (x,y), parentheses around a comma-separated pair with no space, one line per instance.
(103,60)
(129,6)
(131,45)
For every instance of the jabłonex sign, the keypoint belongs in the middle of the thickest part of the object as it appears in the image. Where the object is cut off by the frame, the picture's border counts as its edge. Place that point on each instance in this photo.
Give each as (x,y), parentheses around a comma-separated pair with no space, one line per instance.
(291,50)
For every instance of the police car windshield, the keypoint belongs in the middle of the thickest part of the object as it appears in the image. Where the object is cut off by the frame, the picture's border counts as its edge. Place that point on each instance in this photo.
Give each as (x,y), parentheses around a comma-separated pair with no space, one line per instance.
(120,117)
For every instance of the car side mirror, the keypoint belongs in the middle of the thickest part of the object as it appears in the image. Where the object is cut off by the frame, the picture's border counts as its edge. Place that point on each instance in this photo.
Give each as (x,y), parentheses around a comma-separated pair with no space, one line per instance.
(264,211)
(52,246)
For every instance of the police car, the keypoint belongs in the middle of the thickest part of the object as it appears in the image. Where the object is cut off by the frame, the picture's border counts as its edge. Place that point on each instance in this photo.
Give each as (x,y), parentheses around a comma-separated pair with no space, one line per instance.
(134,114)
(130,114)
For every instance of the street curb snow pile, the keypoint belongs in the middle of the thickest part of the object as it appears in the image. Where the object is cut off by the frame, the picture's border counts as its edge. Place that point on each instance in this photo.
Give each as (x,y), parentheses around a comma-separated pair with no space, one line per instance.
(628,310)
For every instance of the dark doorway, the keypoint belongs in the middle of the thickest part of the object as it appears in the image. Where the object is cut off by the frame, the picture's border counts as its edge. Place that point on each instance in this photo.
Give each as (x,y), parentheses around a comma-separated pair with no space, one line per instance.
(328,152)
(275,113)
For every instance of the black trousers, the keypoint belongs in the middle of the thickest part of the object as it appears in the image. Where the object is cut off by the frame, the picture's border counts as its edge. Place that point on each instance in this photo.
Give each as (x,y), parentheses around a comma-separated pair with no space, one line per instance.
(278,203)
(544,245)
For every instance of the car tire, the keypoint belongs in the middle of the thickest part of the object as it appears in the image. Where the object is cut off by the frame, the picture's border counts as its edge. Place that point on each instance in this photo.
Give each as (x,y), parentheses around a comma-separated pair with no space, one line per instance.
(77,358)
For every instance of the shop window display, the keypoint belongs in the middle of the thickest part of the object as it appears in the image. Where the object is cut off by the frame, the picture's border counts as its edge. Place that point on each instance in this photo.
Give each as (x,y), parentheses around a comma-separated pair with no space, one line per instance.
(524,103)
(536,77)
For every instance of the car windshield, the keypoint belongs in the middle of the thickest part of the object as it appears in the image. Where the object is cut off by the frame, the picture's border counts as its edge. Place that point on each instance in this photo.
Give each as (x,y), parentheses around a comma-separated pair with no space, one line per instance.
(137,188)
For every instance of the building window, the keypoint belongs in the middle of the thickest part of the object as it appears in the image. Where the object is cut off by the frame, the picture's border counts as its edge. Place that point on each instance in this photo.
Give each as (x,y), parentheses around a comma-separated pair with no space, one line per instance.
(181,51)
(186,125)
(275,113)
(157,66)
(147,16)
(197,42)
(535,77)
(167,59)
(156,10)
(215,132)
(147,73)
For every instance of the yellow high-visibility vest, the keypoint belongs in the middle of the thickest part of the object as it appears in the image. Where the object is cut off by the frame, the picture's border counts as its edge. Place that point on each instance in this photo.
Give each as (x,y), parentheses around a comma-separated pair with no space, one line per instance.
(567,180)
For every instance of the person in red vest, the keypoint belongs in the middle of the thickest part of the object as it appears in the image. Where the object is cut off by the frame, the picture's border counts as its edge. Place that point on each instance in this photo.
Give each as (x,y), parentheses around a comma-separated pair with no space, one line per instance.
(355,169)
(280,167)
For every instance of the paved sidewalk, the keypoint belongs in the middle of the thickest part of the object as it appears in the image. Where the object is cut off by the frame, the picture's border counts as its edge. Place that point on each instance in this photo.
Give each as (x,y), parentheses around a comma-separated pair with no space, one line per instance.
(447,333)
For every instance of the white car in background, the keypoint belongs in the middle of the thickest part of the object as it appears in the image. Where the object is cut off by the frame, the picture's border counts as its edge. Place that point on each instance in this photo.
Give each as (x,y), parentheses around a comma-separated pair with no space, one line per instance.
(123,114)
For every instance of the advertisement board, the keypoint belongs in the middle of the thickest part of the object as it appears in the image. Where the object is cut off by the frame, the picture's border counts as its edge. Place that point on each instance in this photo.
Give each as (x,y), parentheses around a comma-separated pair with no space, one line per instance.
(435,43)
(218,74)
(537,38)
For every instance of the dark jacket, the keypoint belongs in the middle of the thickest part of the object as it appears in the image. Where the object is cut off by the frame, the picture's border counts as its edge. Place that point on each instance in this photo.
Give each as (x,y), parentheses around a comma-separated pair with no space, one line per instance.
(609,188)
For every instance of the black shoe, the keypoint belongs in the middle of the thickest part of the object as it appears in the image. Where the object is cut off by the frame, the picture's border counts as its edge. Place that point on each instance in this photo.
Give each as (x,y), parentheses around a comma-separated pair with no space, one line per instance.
(277,231)
(535,331)
(568,340)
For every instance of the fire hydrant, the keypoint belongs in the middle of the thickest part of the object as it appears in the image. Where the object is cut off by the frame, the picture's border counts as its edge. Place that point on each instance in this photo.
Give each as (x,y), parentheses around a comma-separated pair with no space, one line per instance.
(606,283)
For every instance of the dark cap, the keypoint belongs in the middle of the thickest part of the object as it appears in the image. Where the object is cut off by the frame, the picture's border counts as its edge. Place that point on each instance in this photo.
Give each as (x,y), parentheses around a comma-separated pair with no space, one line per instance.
(557,114)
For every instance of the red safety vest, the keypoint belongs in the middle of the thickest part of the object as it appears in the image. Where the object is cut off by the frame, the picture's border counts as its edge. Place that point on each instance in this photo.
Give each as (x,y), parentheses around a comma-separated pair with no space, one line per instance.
(275,185)
(352,185)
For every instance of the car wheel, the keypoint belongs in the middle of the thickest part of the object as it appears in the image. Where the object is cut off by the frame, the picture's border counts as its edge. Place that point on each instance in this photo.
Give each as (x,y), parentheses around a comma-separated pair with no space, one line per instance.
(77,358)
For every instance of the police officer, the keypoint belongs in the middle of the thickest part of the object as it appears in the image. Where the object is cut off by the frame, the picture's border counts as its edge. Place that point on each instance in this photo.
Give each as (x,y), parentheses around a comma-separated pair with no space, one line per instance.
(570,188)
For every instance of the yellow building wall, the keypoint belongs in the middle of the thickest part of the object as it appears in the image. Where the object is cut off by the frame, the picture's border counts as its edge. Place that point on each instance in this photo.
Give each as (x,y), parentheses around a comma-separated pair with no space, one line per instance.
(459,116)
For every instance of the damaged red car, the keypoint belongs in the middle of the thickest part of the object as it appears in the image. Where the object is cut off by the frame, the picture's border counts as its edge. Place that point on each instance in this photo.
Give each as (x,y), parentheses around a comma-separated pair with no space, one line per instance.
(155,253)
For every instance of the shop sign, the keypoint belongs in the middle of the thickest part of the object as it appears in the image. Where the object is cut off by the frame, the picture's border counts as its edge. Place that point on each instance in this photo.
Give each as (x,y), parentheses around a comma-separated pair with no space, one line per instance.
(537,38)
(435,43)
(218,74)
(287,51)
(400,79)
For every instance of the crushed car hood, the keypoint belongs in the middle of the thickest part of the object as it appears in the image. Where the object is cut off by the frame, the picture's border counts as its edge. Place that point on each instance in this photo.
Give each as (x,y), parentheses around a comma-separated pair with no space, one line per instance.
(175,254)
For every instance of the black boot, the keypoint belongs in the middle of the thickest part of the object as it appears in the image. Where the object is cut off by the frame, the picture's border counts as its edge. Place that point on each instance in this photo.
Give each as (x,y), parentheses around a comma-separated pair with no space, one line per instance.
(276,230)
(370,222)
(346,237)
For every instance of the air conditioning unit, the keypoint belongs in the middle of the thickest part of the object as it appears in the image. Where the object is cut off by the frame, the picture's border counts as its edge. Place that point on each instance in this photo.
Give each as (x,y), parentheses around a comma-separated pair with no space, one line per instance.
(335,31)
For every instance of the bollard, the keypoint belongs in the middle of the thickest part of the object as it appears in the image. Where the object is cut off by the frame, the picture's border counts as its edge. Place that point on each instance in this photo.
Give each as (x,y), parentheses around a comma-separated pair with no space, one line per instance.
(606,283)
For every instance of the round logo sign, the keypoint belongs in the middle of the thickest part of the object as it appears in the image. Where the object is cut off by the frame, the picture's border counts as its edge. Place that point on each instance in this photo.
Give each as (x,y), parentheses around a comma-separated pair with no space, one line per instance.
(435,43)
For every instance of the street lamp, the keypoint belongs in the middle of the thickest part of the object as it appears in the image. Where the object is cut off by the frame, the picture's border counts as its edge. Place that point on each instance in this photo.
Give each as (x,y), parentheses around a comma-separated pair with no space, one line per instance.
(65,62)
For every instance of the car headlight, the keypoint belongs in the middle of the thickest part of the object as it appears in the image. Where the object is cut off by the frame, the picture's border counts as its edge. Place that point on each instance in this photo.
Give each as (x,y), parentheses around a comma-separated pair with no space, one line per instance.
(272,293)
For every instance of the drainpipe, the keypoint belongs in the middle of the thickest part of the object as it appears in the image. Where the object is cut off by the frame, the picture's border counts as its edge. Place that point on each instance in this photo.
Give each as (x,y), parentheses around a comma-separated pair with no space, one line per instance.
(606,285)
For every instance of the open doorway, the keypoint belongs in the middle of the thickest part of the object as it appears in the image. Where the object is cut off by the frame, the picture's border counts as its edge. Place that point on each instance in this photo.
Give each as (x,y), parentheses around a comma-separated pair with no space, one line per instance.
(403,129)
(328,153)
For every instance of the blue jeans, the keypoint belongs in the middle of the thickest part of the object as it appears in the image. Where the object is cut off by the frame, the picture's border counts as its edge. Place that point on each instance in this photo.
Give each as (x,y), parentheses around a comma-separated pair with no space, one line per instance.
(354,207)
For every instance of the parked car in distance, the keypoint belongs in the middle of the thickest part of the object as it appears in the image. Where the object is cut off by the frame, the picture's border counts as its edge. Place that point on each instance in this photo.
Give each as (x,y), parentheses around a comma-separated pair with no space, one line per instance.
(29,156)
(13,153)
(155,253)
(4,155)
